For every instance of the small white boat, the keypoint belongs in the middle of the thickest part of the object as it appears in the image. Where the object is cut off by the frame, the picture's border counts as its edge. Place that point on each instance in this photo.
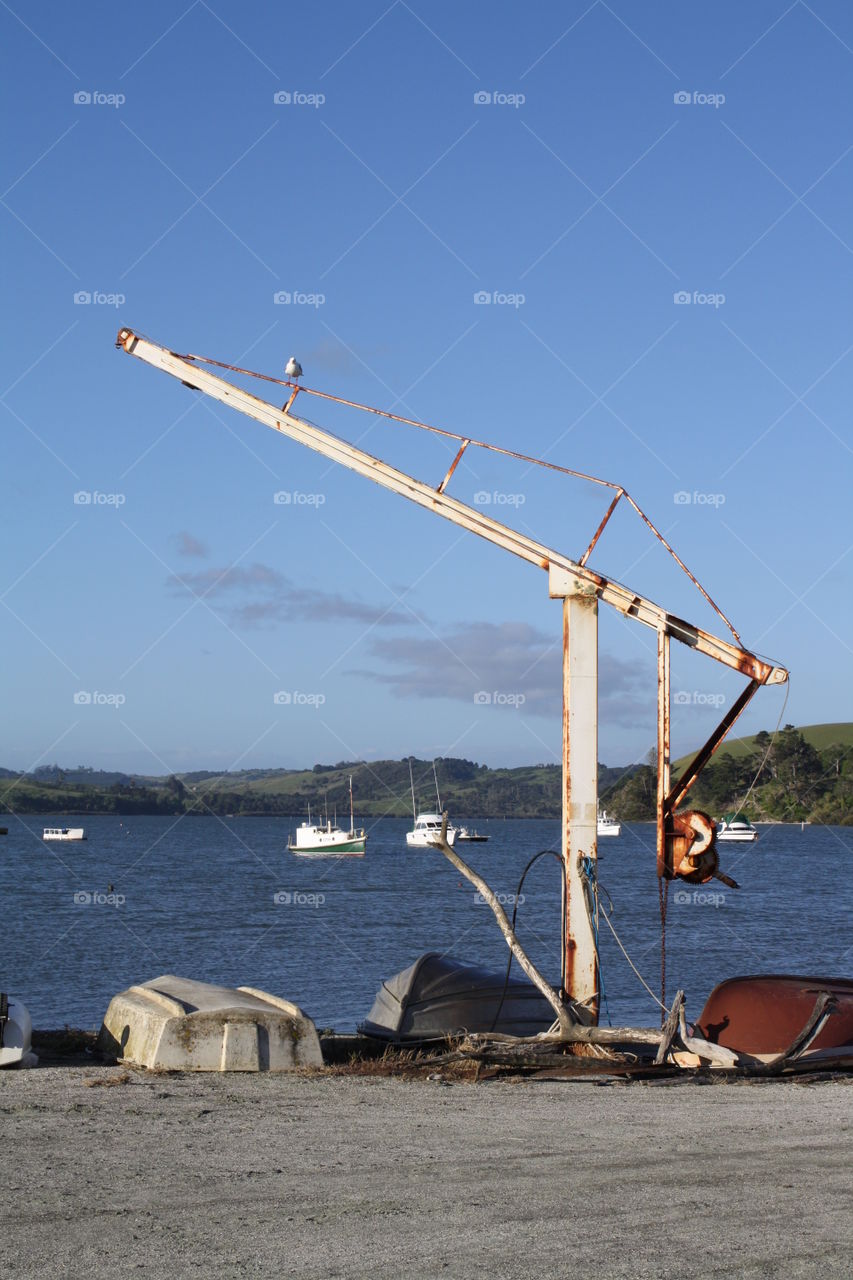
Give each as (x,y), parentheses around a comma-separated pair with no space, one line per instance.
(311,841)
(427,831)
(64,833)
(15,1034)
(473,837)
(427,828)
(733,826)
(608,826)
(329,841)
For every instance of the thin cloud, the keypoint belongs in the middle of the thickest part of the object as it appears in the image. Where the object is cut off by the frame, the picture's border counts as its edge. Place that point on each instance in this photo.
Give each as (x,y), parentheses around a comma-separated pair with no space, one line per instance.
(259,594)
(189,546)
(516,666)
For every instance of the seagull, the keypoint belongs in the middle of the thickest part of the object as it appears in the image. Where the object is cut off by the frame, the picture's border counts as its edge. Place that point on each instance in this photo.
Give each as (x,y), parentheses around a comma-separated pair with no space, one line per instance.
(293,368)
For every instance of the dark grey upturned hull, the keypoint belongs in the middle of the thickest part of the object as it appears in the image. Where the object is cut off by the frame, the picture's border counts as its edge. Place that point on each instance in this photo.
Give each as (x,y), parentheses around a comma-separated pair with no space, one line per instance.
(441,996)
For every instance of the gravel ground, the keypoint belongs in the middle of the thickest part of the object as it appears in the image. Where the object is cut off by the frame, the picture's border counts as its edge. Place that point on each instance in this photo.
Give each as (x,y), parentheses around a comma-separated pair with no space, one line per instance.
(109,1171)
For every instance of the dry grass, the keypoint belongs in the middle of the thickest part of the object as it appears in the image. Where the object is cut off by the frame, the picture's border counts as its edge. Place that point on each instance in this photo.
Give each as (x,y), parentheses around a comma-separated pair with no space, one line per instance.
(108,1082)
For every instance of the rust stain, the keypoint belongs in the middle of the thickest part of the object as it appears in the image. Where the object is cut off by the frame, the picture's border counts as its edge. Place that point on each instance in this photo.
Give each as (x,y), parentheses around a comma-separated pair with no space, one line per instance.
(453,465)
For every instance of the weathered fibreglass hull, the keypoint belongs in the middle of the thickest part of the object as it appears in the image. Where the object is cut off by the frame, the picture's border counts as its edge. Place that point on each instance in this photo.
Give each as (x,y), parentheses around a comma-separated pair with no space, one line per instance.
(440,996)
(764,1014)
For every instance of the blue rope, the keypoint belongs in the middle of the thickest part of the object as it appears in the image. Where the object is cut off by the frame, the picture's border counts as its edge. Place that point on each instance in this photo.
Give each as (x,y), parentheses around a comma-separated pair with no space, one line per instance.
(589,872)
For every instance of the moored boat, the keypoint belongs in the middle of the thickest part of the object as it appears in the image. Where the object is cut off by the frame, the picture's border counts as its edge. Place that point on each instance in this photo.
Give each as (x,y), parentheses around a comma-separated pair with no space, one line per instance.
(328,841)
(64,833)
(608,826)
(734,826)
(427,828)
(473,837)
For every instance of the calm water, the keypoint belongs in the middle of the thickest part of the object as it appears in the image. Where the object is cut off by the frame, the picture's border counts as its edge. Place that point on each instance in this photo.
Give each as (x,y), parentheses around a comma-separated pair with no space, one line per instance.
(196,897)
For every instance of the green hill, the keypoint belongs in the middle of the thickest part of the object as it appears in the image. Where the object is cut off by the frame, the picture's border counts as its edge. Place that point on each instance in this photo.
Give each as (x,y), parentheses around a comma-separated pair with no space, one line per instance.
(380,787)
(808,774)
(805,774)
(820,736)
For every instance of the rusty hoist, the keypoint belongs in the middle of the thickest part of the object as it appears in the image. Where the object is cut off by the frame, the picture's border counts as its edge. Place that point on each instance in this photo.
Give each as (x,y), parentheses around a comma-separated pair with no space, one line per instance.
(685,839)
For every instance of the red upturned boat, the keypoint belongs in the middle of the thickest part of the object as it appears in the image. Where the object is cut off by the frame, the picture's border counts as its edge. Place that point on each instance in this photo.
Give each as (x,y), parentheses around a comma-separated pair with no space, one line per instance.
(767,1013)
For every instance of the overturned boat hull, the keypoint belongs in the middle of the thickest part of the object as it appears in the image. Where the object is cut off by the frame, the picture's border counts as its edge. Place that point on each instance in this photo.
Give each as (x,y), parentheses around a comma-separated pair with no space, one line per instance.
(15,1034)
(764,1014)
(440,996)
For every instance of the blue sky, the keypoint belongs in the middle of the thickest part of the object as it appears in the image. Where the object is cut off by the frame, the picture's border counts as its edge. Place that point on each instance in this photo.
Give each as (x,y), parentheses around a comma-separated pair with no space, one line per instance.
(582,165)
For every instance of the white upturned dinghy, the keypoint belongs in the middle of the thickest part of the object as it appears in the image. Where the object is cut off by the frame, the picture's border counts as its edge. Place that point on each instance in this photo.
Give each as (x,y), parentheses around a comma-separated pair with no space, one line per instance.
(180,1024)
(16,1031)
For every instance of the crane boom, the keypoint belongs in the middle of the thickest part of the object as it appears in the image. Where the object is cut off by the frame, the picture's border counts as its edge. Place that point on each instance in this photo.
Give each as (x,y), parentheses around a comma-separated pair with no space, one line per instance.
(588,581)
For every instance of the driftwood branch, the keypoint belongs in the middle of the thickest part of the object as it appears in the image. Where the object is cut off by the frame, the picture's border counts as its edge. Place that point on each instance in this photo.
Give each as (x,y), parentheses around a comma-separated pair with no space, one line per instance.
(561,1012)
(670,1027)
(577,1034)
(714,1053)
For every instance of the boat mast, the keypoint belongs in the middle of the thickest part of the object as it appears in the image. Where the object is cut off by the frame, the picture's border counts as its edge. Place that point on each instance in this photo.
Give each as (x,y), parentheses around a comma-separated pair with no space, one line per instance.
(437,796)
(351,815)
(412,785)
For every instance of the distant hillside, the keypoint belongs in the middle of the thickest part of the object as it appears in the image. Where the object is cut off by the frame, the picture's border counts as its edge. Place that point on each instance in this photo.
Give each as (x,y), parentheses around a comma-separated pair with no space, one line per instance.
(820,736)
(807,774)
(380,787)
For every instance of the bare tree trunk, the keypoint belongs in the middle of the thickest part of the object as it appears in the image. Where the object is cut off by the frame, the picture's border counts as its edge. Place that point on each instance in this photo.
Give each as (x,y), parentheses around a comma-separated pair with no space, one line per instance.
(561,1012)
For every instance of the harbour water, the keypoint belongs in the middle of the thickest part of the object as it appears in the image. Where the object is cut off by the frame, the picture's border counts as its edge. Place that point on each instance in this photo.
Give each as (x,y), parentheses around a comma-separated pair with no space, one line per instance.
(222,900)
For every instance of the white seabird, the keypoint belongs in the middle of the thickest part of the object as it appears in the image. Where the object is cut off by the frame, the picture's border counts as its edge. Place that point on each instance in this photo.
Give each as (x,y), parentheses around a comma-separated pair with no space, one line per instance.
(293,368)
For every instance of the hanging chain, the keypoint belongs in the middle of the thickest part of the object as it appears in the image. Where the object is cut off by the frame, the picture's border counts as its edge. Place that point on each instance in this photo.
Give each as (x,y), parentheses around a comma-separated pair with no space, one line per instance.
(663,895)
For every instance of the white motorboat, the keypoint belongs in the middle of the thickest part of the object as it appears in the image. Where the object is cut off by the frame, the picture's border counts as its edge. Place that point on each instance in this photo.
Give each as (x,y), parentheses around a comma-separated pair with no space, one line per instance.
(64,833)
(330,840)
(608,826)
(427,828)
(427,831)
(15,1034)
(733,826)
